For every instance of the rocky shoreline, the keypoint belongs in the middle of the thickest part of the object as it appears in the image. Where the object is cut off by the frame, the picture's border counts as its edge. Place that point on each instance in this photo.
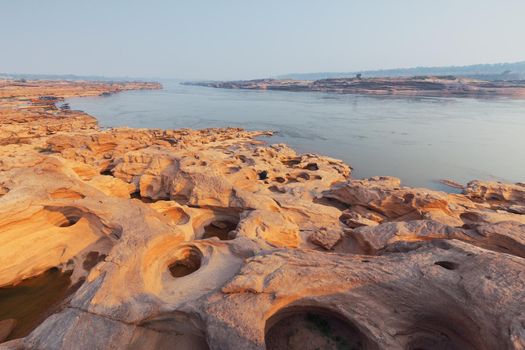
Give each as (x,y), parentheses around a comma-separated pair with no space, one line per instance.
(429,86)
(212,239)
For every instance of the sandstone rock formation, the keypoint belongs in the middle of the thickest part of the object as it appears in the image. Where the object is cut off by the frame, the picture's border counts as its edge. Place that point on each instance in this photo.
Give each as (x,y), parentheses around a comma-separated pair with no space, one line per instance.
(212,239)
(435,86)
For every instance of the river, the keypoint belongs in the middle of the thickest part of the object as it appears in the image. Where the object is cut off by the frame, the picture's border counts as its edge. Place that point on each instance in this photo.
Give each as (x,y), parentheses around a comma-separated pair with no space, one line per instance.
(420,140)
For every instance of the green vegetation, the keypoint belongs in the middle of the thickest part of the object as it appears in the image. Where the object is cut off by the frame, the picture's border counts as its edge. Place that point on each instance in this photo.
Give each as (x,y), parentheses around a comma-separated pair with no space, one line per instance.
(322,325)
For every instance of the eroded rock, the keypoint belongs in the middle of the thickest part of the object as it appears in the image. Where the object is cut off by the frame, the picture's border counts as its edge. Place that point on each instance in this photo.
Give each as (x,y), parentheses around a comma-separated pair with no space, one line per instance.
(212,239)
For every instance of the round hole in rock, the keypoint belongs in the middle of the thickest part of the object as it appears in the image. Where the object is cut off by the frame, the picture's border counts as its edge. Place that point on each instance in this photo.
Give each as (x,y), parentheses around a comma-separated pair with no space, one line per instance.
(188,262)
(299,328)
(220,229)
(449,265)
(311,166)
(63,216)
(263,175)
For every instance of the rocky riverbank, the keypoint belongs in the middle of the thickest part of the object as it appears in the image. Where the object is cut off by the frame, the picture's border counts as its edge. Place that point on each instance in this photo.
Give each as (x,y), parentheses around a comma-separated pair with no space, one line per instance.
(431,86)
(212,239)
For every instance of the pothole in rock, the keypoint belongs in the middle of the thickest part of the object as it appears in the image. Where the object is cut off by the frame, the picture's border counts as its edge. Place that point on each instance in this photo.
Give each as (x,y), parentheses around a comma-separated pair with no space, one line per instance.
(107,172)
(188,262)
(311,167)
(68,216)
(31,301)
(63,216)
(263,175)
(220,229)
(312,329)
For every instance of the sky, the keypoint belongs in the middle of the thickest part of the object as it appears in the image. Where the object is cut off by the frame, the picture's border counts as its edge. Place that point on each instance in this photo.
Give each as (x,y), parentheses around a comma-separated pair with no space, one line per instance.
(243,39)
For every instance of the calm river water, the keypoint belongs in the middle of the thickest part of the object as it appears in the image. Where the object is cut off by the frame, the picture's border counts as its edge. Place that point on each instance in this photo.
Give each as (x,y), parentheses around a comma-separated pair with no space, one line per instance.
(420,140)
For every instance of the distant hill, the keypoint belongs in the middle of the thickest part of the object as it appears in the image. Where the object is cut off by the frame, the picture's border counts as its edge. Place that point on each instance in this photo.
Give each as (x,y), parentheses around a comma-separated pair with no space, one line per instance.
(67,77)
(497,71)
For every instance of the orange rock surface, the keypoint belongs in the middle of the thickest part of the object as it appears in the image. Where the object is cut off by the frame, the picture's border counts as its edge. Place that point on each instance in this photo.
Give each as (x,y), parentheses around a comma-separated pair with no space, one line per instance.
(212,239)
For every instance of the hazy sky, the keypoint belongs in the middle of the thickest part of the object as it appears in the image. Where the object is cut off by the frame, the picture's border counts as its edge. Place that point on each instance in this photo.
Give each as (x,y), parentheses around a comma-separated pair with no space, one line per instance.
(248,39)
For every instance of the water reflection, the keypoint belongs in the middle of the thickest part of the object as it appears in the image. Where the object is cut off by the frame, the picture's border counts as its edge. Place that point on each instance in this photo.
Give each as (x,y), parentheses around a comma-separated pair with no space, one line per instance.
(33,300)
